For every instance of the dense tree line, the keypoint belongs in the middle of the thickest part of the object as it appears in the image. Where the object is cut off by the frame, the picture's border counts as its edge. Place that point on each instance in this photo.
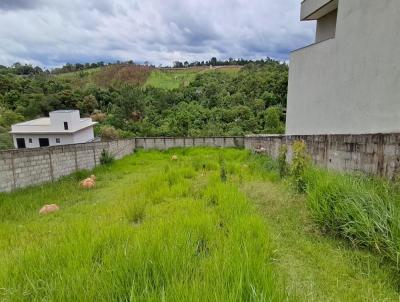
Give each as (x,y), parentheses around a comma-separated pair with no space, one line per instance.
(81,67)
(215,103)
(22,70)
(229,62)
(28,69)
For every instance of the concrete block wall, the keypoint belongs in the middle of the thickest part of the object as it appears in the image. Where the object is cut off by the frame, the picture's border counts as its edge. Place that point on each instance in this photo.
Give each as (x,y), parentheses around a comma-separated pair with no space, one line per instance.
(23,168)
(6,172)
(163,143)
(375,154)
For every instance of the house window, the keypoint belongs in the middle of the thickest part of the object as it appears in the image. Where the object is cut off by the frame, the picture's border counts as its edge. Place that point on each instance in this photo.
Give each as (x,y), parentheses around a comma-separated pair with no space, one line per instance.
(30,141)
(58,140)
(65,125)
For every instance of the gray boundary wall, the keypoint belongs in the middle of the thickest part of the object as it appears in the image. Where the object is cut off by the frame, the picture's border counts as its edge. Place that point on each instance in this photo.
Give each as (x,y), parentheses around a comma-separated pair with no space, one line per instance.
(163,143)
(23,168)
(374,154)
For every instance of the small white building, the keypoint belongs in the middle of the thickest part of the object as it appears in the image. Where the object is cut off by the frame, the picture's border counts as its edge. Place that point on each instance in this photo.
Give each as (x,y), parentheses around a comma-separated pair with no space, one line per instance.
(63,127)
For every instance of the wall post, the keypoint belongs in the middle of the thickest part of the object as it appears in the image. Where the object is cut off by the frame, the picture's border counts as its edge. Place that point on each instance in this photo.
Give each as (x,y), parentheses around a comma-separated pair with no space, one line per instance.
(14,186)
(76,159)
(94,154)
(51,165)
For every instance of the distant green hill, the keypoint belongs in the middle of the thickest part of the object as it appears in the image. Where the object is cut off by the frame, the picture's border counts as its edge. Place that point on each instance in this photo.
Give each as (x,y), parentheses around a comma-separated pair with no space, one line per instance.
(178,77)
(132,100)
(117,75)
(108,76)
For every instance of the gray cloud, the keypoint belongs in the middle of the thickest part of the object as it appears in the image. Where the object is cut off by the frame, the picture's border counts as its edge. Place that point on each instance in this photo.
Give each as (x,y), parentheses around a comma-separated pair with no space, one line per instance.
(53,32)
(18,4)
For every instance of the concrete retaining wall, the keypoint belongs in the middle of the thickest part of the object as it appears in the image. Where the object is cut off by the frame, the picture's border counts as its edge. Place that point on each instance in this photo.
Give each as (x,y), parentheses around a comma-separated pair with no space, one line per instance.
(163,143)
(22,168)
(375,154)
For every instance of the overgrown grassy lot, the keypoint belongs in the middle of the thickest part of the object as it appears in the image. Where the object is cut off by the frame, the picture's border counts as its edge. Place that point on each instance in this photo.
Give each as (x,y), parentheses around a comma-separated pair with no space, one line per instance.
(153,229)
(215,225)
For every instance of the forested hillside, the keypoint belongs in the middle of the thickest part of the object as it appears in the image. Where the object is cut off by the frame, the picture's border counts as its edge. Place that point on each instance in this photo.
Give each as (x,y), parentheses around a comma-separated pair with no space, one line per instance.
(132,100)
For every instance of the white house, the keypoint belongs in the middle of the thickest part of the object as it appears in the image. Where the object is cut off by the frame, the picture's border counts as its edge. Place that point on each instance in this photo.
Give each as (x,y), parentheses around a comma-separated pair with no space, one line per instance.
(63,127)
(348,82)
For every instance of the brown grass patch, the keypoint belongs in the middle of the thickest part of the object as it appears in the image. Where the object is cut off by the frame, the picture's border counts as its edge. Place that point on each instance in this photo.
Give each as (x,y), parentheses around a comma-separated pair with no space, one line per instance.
(118,75)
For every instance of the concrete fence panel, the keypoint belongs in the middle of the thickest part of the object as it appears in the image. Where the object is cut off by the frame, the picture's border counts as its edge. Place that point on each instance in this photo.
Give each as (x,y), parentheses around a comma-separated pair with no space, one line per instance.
(375,154)
(27,167)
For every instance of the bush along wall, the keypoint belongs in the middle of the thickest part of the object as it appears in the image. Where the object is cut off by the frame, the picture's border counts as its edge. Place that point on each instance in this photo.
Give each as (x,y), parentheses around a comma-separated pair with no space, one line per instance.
(363,209)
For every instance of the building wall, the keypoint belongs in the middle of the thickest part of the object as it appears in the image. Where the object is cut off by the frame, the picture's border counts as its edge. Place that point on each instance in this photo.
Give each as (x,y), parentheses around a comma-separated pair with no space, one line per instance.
(83,136)
(65,139)
(72,117)
(308,7)
(326,27)
(350,84)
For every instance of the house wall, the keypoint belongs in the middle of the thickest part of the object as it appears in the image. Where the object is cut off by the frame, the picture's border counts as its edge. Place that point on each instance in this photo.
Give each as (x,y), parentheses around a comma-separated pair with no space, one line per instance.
(326,27)
(65,139)
(308,7)
(83,136)
(350,84)
(72,117)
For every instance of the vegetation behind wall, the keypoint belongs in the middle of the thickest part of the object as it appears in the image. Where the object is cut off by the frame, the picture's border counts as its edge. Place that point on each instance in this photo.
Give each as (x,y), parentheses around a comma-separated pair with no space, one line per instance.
(143,101)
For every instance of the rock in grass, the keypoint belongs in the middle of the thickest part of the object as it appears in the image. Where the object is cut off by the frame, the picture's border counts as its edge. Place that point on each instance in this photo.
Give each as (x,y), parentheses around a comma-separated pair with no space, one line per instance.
(174,158)
(260,150)
(88,183)
(49,208)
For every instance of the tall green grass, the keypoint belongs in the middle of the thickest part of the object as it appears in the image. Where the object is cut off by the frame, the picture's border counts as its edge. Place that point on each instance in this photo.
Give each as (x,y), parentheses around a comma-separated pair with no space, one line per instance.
(363,210)
(357,207)
(151,230)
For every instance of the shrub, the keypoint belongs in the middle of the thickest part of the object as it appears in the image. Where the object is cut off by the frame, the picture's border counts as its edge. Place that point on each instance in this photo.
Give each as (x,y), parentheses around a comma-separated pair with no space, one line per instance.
(282,163)
(98,116)
(106,158)
(300,162)
(88,104)
(273,123)
(109,133)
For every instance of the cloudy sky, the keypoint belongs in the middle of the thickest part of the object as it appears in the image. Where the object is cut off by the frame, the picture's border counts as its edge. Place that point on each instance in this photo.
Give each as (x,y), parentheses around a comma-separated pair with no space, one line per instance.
(50,33)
